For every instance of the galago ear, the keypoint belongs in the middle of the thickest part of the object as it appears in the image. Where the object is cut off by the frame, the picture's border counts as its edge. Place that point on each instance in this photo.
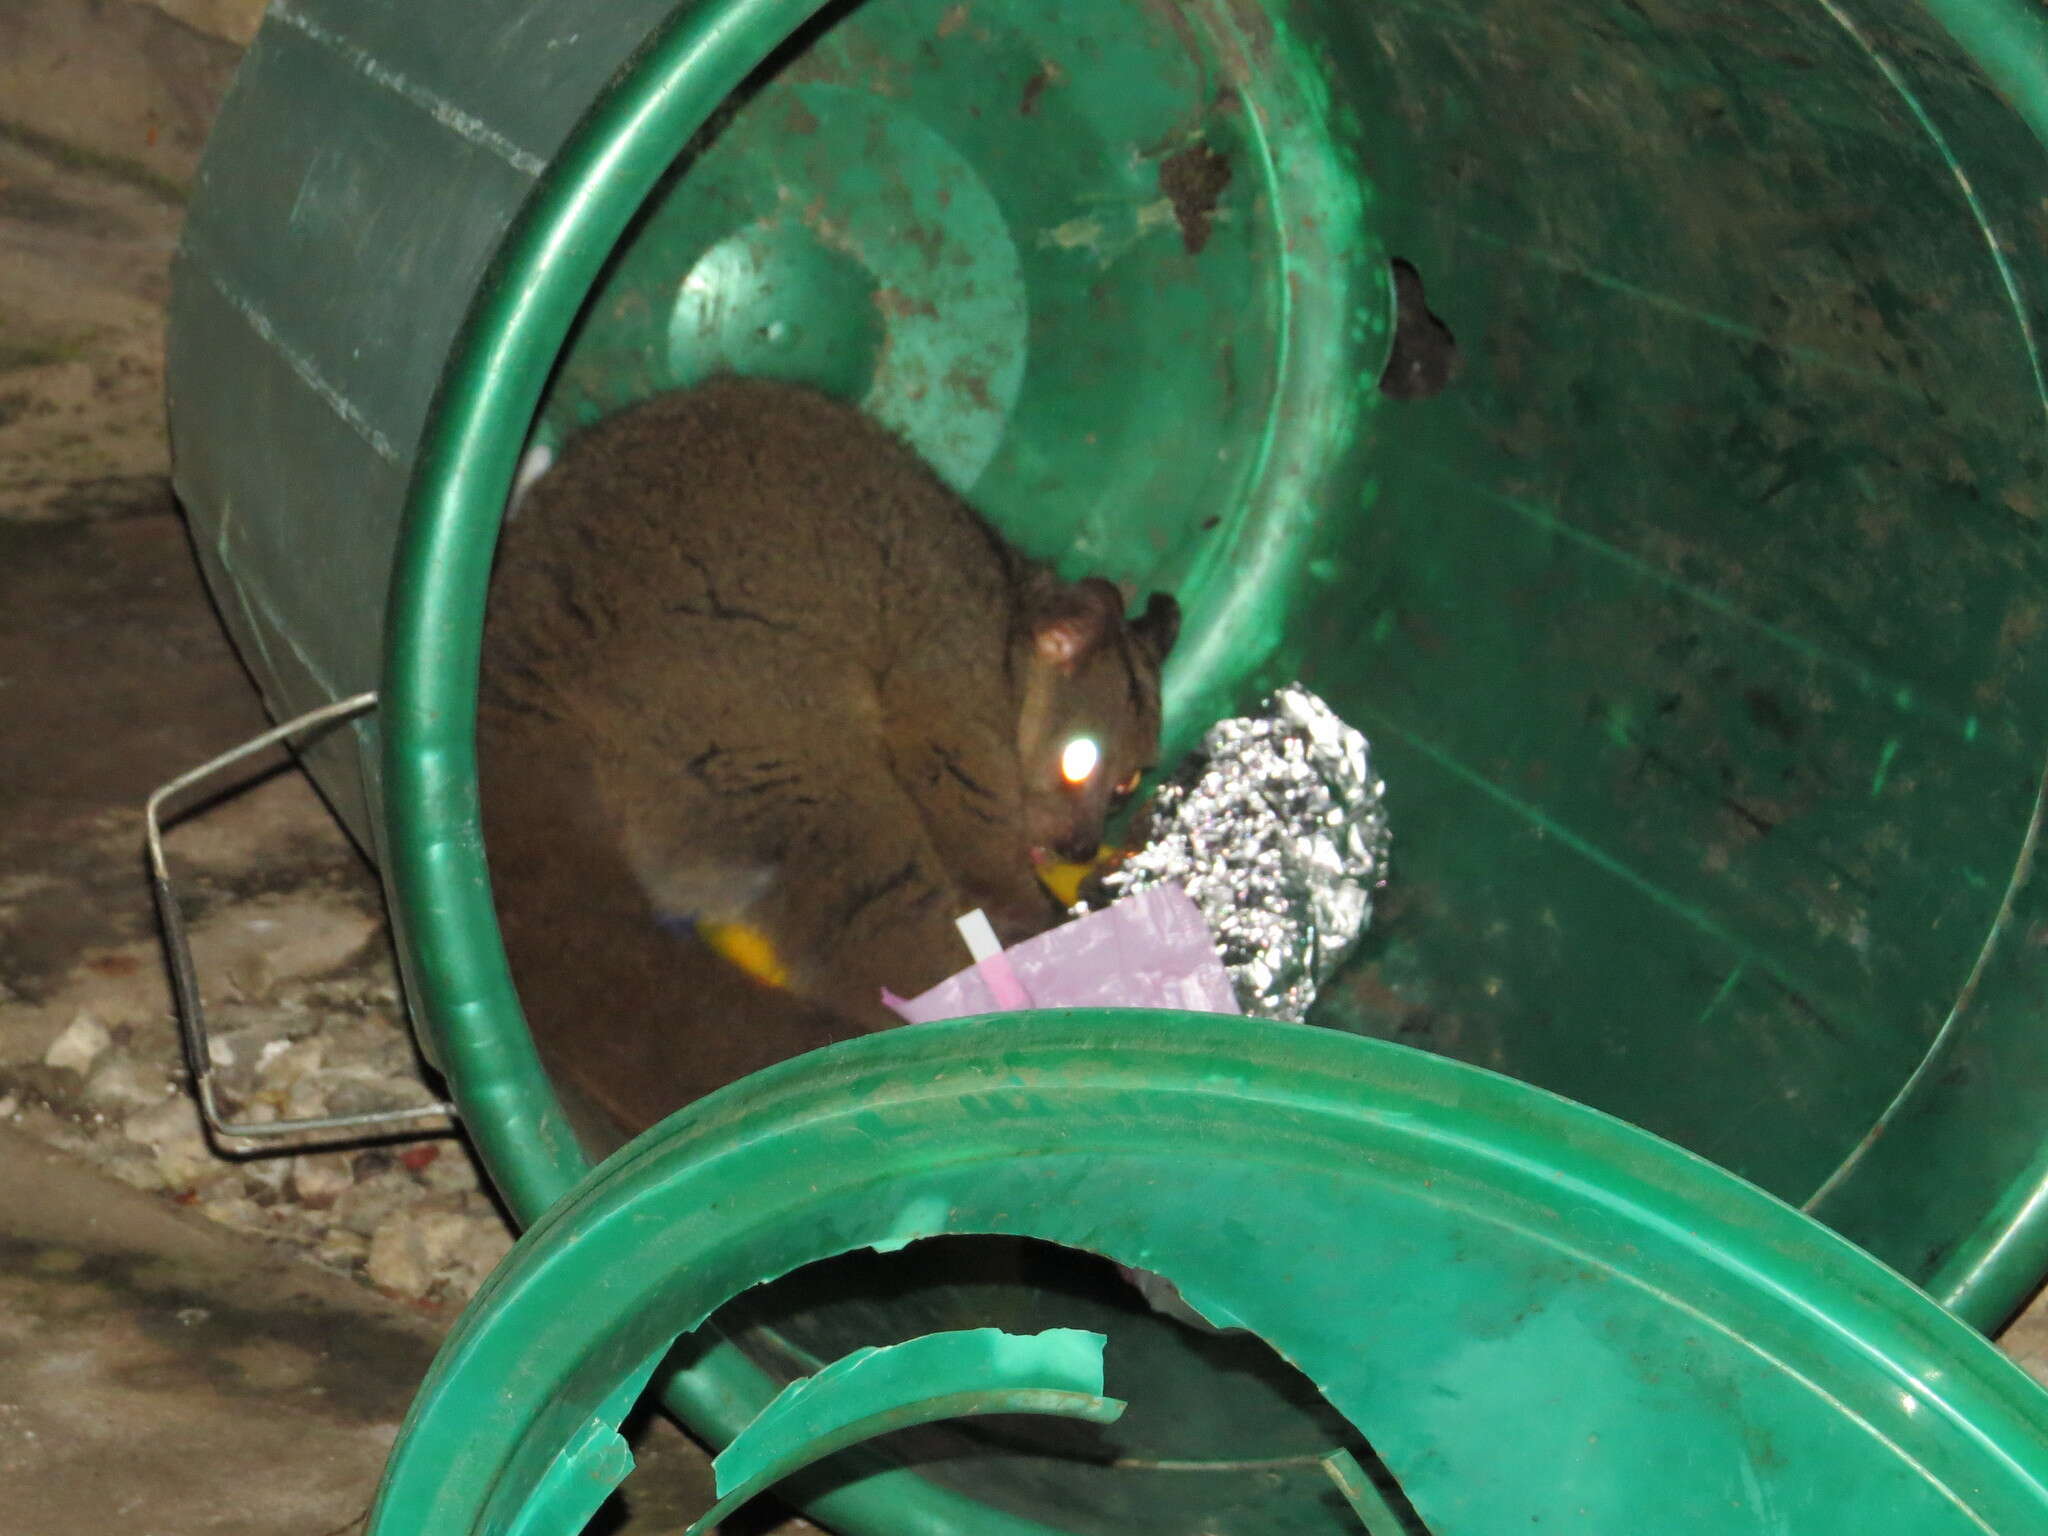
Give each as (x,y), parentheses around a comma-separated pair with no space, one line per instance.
(1070,621)
(1158,627)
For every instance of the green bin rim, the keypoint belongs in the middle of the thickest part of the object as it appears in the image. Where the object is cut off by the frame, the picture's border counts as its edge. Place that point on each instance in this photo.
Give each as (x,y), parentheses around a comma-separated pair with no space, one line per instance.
(460,985)
(596,1277)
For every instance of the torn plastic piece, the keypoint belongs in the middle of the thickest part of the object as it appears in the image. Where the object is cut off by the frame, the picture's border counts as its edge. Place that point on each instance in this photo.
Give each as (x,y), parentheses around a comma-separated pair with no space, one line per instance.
(923,1217)
(1169,1300)
(592,1465)
(876,1391)
(1149,950)
(1366,1501)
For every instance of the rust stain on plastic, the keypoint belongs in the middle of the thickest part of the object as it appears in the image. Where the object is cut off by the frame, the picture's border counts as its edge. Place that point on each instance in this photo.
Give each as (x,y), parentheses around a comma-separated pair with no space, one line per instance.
(1046,76)
(1193,180)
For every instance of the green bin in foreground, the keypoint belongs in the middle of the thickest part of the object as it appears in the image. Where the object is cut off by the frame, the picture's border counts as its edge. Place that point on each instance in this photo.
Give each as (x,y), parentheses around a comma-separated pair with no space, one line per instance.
(1530,1316)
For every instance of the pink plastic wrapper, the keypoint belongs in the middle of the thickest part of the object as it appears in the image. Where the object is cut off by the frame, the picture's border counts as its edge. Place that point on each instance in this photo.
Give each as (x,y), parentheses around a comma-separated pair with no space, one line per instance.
(1151,950)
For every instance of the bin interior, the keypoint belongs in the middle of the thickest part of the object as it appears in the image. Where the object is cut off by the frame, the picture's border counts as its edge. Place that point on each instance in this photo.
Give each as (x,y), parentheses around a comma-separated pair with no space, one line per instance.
(1697,626)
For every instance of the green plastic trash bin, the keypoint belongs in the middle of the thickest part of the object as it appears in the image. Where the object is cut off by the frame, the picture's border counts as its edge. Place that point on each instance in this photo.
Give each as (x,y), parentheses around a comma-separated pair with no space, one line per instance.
(1699,625)
(1531,1317)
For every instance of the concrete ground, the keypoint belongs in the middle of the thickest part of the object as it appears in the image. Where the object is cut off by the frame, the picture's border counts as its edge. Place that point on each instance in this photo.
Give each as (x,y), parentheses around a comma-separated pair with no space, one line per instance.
(186,1345)
(160,1374)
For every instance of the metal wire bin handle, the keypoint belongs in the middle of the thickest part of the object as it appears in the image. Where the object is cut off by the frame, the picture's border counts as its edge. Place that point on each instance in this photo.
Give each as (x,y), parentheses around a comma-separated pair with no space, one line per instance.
(184,976)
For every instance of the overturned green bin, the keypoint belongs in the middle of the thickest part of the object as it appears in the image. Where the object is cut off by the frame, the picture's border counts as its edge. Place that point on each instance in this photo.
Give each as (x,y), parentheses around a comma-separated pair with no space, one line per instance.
(1699,624)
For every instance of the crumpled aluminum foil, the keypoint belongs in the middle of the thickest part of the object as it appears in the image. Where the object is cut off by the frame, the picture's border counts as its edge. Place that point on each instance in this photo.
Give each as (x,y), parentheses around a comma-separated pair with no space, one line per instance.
(1277,828)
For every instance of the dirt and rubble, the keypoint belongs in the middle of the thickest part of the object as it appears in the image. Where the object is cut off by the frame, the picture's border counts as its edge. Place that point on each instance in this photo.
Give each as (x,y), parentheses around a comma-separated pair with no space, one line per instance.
(188,1342)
